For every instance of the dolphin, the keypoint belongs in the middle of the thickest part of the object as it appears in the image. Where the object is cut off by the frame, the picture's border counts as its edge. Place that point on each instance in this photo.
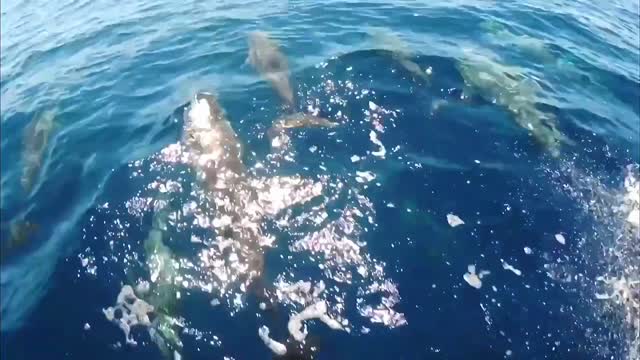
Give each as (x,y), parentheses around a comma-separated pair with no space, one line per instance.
(498,33)
(216,155)
(265,56)
(400,51)
(36,138)
(20,232)
(162,296)
(240,205)
(241,202)
(510,87)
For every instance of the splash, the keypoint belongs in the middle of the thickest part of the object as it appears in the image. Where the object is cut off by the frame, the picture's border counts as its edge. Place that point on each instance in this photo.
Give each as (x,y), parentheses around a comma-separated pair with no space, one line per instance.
(129,311)
(277,347)
(615,293)
(473,278)
(454,220)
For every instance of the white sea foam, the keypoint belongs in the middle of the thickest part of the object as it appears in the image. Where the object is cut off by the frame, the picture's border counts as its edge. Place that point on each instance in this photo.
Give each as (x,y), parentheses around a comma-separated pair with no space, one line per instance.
(277,347)
(454,220)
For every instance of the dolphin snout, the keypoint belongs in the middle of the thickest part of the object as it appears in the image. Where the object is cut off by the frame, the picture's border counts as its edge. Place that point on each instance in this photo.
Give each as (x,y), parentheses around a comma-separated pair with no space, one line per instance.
(204,95)
(257,35)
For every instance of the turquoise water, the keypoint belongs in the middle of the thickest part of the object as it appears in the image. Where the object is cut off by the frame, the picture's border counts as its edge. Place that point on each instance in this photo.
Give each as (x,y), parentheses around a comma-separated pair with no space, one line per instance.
(462,136)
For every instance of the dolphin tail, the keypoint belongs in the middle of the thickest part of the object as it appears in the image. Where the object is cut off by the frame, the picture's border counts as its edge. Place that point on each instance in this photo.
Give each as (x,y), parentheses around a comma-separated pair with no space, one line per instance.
(278,132)
(300,120)
(165,336)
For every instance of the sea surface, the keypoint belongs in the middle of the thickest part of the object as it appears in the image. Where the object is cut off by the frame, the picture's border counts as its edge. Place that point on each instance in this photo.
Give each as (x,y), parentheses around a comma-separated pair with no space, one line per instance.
(521,118)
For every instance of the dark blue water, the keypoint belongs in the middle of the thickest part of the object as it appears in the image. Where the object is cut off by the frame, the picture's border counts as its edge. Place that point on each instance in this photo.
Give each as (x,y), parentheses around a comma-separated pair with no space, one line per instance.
(121,73)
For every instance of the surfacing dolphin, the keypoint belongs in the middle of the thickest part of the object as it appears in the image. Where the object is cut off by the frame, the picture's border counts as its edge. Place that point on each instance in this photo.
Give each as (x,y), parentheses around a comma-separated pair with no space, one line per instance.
(241,202)
(216,155)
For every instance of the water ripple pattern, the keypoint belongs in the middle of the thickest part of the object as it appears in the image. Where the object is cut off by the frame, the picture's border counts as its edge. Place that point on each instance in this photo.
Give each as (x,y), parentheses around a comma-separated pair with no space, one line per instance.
(518,119)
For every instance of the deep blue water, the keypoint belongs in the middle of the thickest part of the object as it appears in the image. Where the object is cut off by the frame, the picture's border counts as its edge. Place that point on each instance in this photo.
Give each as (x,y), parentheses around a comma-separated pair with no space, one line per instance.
(120,74)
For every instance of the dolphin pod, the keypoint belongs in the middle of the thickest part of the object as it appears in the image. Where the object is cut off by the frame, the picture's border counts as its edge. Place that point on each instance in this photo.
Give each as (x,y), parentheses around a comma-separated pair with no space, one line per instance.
(485,75)
(214,152)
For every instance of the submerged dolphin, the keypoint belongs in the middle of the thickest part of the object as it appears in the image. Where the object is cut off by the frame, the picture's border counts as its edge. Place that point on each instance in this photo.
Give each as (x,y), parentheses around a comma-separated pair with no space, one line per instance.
(500,35)
(508,86)
(400,51)
(20,233)
(265,56)
(36,138)
(162,296)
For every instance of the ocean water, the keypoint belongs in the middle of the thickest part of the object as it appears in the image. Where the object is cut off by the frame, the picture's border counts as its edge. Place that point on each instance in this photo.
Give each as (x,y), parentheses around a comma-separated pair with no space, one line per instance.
(522,118)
